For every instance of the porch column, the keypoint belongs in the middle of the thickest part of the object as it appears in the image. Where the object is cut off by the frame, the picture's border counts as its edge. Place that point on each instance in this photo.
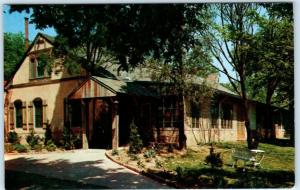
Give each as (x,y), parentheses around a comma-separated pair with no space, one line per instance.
(115,125)
(85,144)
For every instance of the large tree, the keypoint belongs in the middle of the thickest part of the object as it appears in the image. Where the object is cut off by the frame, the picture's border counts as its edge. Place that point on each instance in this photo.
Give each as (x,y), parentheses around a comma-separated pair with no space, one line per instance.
(14,48)
(271,76)
(230,38)
(129,32)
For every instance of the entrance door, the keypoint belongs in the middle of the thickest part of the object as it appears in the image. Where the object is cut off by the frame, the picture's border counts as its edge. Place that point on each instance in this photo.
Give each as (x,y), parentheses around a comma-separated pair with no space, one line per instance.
(102,124)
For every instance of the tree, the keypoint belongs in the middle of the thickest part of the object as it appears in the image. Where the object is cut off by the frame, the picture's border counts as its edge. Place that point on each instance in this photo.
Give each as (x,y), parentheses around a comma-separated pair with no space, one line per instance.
(230,40)
(14,48)
(271,76)
(129,32)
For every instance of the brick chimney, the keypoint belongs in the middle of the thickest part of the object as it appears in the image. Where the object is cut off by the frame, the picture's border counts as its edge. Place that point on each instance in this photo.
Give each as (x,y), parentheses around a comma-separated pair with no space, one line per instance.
(26,34)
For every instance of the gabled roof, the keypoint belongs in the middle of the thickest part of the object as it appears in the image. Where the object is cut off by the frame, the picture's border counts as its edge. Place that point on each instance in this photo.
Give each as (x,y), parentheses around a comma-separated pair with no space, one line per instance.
(50,39)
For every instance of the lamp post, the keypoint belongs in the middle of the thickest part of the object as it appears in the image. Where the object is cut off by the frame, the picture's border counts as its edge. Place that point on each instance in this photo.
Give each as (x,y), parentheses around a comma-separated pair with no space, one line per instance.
(115,126)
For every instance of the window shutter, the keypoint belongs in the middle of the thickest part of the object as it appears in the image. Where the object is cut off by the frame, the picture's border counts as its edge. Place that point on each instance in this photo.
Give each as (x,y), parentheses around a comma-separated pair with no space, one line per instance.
(12,116)
(45,114)
(30,115)
(24,118)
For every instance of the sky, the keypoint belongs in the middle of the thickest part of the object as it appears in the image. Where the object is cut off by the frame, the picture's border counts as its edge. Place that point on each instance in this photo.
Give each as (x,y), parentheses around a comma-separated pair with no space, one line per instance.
(15,23)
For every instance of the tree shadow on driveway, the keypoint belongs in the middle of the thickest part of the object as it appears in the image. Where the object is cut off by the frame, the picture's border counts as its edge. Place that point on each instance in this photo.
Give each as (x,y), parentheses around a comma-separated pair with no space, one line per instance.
(97,172)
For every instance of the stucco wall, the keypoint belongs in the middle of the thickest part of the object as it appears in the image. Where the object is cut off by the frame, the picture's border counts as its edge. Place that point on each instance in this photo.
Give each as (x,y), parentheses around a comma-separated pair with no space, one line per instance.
(205,133)
(54,95)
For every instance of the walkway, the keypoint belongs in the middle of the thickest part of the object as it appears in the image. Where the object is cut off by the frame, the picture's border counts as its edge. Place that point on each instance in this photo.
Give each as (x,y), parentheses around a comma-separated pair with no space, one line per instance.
(86,166)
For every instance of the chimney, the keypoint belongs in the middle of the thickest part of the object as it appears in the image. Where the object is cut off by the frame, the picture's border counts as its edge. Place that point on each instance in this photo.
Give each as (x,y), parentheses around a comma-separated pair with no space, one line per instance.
(213,77)
(26,34)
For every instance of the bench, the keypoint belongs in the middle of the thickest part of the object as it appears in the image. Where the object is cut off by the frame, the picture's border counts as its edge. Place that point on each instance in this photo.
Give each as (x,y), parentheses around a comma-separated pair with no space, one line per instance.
(253,156)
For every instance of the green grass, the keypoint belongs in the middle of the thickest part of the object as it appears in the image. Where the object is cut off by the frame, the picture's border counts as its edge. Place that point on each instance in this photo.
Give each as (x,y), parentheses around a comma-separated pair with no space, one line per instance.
(190,170)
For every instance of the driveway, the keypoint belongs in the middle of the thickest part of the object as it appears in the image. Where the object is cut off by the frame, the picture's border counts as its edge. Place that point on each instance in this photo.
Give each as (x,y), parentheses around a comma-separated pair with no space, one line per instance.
(84,166)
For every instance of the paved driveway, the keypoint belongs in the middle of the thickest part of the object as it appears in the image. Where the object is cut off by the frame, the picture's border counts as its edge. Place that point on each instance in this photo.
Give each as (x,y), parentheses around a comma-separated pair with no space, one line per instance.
(86,166)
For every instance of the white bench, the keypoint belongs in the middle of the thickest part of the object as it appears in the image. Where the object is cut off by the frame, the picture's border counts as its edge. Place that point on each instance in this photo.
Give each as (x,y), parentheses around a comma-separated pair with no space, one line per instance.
(253,156)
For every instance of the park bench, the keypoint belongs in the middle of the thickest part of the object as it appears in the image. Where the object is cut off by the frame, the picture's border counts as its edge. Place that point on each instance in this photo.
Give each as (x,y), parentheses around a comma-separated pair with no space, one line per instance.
(253,156)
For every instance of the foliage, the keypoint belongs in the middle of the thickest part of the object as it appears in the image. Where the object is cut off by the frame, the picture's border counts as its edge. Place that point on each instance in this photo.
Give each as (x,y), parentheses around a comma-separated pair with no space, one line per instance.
(135,142)
(8,147)
(158,163)
(33,139)
(140,164)
(134,157)
(150,153)
(67,137)
(50,146)
(48,134)
(214,159)
(114,152)
(13,137)
(38,147)
(277,170)
(20,148)
(14,48)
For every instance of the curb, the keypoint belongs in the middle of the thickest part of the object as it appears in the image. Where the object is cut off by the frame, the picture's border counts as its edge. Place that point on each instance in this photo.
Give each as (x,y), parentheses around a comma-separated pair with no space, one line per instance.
(152,176)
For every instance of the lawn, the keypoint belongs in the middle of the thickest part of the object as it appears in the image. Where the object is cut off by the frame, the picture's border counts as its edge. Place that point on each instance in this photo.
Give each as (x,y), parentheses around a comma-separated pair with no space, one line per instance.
(192,171)
(188,169)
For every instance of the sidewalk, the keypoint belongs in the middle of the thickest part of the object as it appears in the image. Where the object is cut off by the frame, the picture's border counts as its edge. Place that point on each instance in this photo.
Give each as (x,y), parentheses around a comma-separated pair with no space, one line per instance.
(85,166)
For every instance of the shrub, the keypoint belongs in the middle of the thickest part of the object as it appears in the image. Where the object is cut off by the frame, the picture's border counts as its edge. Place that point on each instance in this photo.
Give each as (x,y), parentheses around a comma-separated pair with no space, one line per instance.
(134,157)
(8,147)
(33,139)
(114,152)
(50,146)
(19,148)
(214,159)
(158,163)
(13,137)
(150,153)
(67,137)
(48,134)
(38,147)
(135,142)
(140,164)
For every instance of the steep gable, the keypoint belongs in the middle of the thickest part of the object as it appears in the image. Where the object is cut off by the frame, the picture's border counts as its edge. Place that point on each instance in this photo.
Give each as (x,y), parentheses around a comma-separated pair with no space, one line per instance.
(21,74)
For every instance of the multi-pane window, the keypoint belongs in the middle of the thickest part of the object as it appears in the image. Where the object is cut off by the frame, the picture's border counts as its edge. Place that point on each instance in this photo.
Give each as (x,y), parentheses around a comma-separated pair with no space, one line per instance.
(214,112)
(169,112)
(38,67)
(226,116)
(38,113)
(195,114)
(18,113)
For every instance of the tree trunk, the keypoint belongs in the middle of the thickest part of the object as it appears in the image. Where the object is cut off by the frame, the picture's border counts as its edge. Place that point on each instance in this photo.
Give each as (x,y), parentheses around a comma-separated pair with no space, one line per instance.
(182,137)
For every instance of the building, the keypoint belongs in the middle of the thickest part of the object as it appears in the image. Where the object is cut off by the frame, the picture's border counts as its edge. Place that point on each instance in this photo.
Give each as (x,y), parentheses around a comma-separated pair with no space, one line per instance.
(99,109)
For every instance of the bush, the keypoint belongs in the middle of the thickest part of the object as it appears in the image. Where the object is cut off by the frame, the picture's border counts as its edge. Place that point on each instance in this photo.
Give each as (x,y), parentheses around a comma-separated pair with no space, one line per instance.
(48,134)
(214,159)
(38,147)
(13,137)
(8,147)
(135,142)
(19,148)
(50,146)
(150,153)
(33,139)
(114,152)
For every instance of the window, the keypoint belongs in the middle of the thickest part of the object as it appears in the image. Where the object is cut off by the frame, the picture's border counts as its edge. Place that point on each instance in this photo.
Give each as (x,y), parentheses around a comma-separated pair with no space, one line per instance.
(169,112)
(18,113)
(214,112)
(38,113)
(226,116)
(195,114)
(76,113)
(38,66)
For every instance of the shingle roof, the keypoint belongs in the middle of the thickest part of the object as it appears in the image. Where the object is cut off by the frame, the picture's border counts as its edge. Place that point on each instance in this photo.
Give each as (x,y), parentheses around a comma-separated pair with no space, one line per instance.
(124,87)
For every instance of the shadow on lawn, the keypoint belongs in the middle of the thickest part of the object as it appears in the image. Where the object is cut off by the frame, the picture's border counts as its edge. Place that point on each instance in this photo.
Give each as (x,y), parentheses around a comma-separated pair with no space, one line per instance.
(85,172)
(239,178)
(279,142)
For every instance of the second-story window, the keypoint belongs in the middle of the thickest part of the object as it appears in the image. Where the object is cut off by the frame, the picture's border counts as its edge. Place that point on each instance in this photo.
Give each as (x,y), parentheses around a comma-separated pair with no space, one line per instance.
(38,66)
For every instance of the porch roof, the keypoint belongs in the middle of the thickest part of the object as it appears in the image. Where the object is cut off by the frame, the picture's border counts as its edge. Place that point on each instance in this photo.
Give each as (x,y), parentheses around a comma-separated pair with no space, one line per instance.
(96,86)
